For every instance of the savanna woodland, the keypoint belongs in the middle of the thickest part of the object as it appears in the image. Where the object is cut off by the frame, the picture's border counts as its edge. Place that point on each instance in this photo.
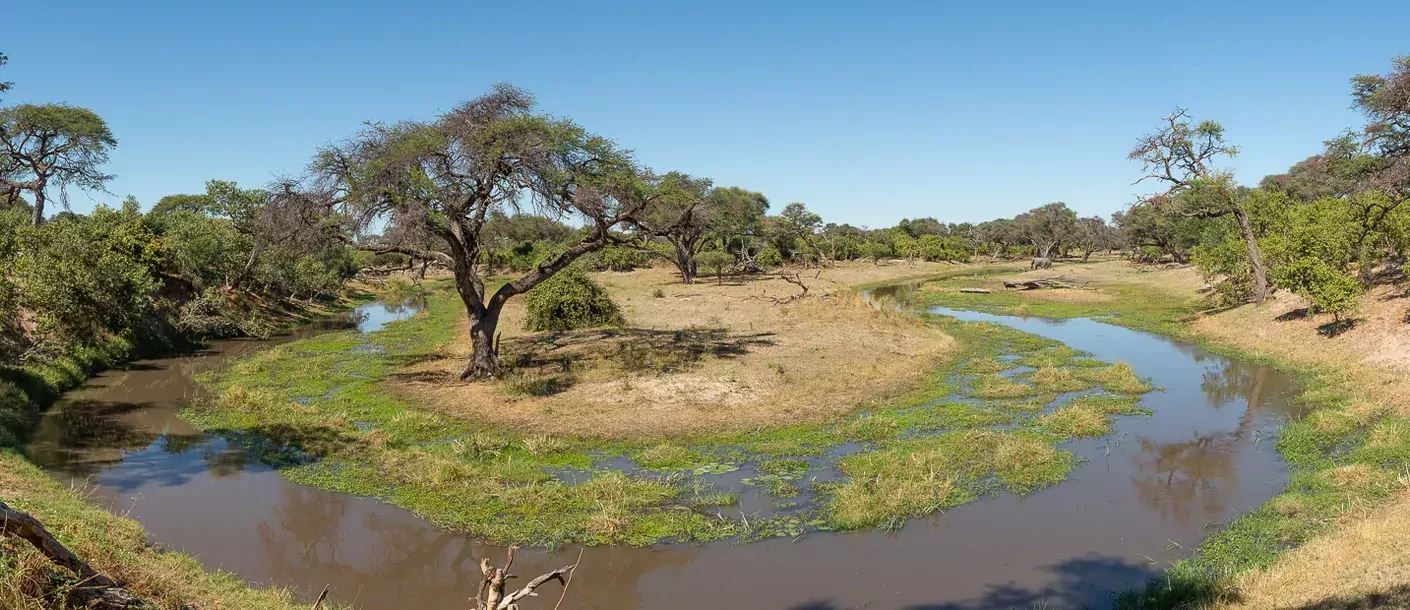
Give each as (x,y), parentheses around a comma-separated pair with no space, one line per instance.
(513,329)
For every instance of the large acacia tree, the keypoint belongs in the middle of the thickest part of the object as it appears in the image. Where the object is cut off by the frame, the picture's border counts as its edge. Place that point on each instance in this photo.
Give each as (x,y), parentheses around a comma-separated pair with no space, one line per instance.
(441,180)
(48,146)
(1181,154)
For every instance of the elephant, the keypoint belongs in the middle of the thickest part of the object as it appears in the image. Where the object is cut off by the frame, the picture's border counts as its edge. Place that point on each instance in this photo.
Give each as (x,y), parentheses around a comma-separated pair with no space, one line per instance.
(1042,263)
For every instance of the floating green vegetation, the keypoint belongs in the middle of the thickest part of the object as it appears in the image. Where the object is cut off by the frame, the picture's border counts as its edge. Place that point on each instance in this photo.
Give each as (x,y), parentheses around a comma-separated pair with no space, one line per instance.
(316,409)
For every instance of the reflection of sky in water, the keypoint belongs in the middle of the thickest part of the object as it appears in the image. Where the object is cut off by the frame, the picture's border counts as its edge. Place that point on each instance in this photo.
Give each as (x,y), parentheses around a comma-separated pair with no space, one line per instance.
(373,316)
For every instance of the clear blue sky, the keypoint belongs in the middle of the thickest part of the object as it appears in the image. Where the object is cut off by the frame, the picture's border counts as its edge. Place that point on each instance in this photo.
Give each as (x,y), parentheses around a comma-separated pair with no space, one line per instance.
(866,111)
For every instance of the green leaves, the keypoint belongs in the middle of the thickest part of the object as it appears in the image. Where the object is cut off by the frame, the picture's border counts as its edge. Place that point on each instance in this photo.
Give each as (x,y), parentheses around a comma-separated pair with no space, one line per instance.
(567,301)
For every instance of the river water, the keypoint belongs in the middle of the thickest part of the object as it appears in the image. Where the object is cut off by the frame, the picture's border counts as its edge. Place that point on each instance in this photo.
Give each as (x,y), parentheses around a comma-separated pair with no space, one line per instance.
(1145,495)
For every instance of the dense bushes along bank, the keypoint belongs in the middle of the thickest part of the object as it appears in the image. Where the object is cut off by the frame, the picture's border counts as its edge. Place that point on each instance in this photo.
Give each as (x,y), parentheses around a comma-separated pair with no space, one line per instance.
(82,293)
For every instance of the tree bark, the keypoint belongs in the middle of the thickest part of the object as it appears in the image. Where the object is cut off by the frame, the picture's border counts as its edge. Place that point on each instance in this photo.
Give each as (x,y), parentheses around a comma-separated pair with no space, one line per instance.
(37,215)
(1255,257)
(484,357)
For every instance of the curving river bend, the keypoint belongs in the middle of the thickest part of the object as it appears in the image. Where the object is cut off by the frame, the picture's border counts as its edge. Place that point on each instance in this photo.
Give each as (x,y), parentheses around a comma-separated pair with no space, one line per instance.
(1145,495)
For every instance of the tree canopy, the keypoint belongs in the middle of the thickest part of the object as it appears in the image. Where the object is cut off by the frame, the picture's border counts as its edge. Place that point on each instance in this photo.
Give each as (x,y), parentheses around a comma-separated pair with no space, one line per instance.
(52,146)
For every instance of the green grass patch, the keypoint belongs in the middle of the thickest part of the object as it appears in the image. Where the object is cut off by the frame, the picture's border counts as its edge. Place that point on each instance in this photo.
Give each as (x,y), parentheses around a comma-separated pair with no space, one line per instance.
(998,386)
(915,477)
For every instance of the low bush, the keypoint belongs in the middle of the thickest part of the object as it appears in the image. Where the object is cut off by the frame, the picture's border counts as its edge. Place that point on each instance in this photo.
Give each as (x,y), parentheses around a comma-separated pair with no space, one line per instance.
(569,300)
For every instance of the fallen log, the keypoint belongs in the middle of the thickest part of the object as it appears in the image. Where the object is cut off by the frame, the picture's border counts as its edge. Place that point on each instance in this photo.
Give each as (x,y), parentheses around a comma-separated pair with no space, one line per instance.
(1060,281)
(976,290)
(95,591)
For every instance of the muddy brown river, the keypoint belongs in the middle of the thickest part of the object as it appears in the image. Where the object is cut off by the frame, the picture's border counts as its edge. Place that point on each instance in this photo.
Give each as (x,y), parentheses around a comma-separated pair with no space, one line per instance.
(1144,497)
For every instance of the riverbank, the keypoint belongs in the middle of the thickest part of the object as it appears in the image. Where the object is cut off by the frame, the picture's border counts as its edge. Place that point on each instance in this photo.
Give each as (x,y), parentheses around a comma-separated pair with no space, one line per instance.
(110,542)
(1348,455)
(979,412)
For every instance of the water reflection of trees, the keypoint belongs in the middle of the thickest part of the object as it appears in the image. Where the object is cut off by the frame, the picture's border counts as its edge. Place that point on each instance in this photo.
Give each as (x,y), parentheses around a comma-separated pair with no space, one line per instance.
(1258,387)
(1197,477)
(389,559)
(1190,478)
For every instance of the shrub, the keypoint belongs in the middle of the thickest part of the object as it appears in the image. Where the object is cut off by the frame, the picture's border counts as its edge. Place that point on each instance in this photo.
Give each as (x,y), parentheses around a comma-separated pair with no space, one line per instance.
(716,262)
(770,257)
(616,258)
(16,413)
(567,301)
(1330,290)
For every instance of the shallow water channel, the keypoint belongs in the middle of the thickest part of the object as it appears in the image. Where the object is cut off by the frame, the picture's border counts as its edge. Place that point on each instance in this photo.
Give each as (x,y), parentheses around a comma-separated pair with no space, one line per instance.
(1145,496)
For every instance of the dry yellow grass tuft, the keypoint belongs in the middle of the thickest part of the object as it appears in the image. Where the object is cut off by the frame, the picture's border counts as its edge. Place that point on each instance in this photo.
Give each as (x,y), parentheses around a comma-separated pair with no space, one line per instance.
(1365,563)
(703,357)
(1077,421)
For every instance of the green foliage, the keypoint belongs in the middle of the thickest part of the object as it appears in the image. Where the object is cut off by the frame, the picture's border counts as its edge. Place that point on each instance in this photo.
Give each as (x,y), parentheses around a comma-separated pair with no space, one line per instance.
(1222,258)
(89,276)
(206,251)
(937,248)
(62,146)
(616,258)
(875,250)
(569,300)
(1330,289)
(770,257)
(715,262)
(16,413)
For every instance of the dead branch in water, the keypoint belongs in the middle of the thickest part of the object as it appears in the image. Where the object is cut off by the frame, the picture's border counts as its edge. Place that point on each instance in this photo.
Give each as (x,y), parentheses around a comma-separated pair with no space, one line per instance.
(1058,281)
(491,595)
(95,591)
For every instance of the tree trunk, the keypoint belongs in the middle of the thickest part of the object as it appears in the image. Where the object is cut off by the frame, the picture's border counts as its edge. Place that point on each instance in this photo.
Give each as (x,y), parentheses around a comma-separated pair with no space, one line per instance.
(484,357)
(1255,257)
(38,214)
(687,268)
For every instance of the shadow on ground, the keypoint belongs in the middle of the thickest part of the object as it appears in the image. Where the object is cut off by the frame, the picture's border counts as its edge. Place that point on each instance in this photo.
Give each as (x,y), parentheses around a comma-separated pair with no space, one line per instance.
(630,349)
(1395,597)
(1082,582)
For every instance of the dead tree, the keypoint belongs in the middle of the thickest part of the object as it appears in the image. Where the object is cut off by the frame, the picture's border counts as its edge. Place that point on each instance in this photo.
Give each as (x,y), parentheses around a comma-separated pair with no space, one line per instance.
(491,595)
(94,591)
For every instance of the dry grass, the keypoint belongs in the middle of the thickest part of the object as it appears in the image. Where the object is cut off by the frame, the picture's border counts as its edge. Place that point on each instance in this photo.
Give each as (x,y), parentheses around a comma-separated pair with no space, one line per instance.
(1097,277)
(703,357)
(995,386)
(1364,564)
(1077,421)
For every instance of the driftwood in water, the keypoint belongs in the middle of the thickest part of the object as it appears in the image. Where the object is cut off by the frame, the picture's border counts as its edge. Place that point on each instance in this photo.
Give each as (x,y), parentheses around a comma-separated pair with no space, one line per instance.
(976,290)
(1060,281)
(95,591)
(492,596)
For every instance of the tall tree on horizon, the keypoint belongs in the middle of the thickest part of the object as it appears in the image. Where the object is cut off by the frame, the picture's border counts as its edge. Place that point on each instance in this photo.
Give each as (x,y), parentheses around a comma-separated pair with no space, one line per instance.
(1181,155)
(43,146)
